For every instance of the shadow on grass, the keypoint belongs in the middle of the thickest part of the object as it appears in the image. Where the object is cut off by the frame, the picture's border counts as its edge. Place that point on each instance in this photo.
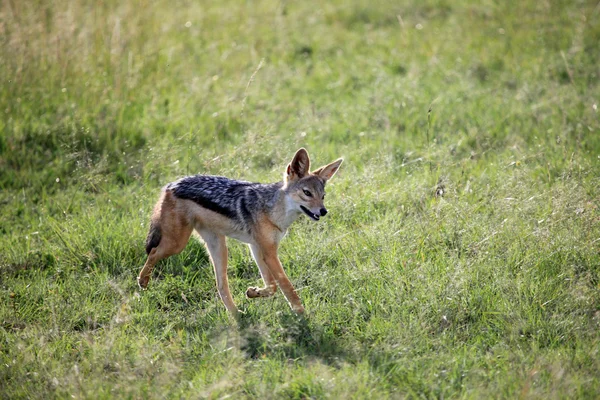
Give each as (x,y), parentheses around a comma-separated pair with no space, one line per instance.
(294,337)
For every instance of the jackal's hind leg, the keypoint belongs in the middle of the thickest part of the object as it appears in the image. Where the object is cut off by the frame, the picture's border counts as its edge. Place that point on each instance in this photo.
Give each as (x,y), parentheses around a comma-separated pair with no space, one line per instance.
(169,245)
(175,236)
(270,284)
(146,272)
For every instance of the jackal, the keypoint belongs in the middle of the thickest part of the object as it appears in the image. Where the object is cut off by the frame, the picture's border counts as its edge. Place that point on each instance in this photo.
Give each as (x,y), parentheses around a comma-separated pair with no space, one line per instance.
(254,213)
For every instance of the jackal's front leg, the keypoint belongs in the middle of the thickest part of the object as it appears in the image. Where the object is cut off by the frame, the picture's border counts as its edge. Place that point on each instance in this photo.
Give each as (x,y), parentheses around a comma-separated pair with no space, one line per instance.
(276,269)
(217,249)
(270,284)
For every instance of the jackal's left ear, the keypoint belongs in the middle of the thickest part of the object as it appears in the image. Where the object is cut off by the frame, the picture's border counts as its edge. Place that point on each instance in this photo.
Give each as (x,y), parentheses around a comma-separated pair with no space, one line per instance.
(328,171)
(299,166)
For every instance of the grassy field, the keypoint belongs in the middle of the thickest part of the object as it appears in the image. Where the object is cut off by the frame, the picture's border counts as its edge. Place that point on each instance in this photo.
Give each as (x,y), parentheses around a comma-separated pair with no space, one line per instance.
(461,254)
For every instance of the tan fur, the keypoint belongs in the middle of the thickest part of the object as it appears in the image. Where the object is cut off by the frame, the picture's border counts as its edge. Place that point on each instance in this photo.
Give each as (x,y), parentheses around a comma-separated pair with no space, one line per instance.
(178,217)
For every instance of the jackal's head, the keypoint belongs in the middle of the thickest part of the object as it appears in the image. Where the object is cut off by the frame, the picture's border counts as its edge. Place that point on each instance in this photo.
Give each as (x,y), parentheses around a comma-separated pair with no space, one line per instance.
(307,189)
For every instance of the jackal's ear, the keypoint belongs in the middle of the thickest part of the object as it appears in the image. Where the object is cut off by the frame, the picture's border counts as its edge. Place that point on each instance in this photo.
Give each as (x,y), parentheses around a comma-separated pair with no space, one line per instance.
(299,166)
(327,172)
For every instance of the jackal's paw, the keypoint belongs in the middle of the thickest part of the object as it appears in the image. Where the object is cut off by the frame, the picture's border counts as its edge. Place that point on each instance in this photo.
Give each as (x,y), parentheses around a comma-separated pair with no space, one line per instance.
(253,292)
(267,291)
(299,309)
(143,282)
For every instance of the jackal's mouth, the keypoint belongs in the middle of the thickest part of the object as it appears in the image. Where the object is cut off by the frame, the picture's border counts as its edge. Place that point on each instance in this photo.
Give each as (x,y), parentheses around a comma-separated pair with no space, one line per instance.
(309,213)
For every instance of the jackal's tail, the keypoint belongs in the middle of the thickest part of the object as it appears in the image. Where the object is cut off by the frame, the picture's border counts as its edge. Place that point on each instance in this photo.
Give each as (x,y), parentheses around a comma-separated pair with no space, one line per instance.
(154,236)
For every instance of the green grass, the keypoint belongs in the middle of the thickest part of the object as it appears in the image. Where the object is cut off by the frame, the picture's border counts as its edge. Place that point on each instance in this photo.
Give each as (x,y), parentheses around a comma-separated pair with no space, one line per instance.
(460,258)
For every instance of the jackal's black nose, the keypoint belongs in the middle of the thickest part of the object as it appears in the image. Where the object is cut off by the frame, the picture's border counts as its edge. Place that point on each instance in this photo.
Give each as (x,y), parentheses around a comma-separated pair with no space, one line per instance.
(323,212)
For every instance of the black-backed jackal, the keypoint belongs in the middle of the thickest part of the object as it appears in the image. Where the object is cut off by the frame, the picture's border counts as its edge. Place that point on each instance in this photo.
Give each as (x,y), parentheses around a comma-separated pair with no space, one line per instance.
(257,214)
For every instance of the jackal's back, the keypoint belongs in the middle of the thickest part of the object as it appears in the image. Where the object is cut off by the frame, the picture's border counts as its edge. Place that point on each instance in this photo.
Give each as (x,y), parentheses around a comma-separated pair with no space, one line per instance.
(240,201)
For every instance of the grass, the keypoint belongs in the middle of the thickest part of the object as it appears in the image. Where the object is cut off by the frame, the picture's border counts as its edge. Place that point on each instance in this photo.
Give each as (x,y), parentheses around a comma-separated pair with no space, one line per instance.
(460,258)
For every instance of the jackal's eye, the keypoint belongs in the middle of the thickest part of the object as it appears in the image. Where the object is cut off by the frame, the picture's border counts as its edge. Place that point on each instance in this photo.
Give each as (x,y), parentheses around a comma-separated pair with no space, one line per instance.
(306,192)
(323,198)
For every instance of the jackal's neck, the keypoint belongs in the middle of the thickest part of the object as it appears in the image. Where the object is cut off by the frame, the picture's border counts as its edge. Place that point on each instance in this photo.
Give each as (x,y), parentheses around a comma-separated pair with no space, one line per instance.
(284,211)
(291,211)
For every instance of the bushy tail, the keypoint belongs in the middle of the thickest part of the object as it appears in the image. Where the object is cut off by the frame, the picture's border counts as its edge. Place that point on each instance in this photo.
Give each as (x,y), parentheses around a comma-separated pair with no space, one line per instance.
(154,236)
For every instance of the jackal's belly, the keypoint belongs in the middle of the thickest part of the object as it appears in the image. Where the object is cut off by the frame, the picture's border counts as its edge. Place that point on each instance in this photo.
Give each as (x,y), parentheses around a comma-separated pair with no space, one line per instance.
(241,236)
(204,219)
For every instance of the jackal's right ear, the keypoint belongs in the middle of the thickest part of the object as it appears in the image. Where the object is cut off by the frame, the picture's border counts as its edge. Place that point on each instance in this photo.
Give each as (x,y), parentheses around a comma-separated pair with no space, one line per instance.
(299,166)
(328,171)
